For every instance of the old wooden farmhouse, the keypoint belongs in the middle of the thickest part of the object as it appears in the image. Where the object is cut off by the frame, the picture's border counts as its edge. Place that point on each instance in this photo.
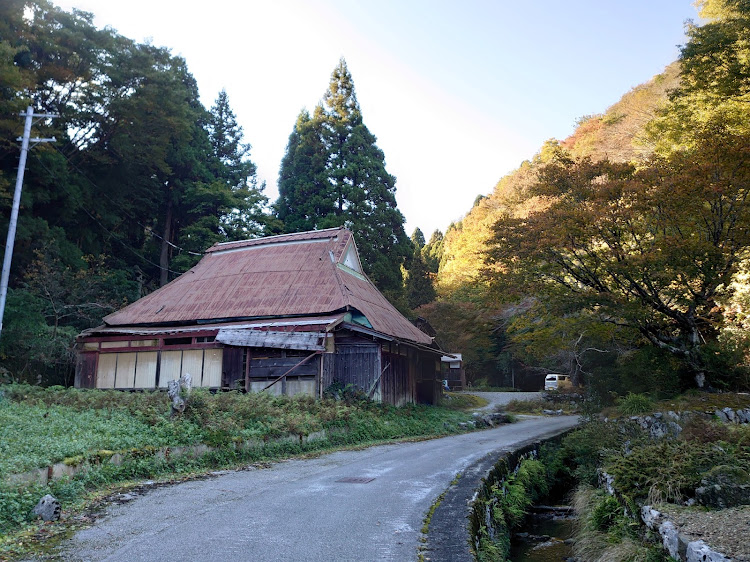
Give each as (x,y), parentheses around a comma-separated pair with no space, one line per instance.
(286,314)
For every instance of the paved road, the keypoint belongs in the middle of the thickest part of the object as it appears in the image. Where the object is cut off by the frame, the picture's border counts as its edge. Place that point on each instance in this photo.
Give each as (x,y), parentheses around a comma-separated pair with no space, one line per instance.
(300,509)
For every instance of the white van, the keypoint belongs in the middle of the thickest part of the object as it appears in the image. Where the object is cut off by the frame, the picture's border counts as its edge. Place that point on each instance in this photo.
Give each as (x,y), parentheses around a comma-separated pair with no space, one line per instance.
(556,382)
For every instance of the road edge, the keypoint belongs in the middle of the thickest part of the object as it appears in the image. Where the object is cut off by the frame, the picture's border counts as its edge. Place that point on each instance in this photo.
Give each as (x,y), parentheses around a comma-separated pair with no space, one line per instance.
(447,538)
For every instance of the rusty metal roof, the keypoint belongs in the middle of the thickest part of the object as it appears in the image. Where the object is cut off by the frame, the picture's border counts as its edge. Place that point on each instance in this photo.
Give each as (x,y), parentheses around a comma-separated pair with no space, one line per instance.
(301,274)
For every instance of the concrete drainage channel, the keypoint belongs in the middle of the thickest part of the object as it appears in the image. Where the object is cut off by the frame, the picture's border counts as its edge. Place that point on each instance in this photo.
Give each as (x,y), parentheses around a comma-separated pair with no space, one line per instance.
(449,526)
(454,520)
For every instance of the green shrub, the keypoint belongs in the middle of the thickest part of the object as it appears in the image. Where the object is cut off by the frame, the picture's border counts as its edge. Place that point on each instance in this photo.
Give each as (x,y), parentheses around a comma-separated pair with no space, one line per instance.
(635,404)
(605,532)
(670,470)
(605,513)
(584,450)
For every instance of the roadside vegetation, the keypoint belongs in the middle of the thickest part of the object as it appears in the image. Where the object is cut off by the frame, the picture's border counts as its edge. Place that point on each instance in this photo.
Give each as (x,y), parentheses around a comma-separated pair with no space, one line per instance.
(457,401)
(40,427)
(647,465)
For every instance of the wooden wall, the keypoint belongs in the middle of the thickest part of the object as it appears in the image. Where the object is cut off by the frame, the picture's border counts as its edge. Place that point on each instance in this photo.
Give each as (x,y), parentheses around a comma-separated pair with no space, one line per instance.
(358,364)
(389,372)
(256,368)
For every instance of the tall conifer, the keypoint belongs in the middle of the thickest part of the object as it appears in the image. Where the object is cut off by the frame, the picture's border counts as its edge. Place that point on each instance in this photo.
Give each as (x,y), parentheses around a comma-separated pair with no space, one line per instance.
(334,174)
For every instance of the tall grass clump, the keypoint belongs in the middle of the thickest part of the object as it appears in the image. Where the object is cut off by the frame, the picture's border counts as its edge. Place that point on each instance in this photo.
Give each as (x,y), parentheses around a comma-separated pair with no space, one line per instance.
(606,533)
(635,404)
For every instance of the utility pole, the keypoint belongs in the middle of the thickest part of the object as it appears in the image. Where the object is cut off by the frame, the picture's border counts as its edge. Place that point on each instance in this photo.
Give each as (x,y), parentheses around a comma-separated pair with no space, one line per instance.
(25,140)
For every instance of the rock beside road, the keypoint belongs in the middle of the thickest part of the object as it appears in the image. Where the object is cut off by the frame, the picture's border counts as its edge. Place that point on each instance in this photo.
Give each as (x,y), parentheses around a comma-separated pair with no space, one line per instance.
(48,508)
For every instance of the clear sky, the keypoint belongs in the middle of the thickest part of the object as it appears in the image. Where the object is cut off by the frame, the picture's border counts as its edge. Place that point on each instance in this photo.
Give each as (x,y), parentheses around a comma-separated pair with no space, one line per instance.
(458,93)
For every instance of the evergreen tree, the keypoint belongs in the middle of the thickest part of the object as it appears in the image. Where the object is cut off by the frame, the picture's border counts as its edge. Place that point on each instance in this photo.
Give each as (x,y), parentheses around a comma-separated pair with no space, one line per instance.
(417,239)
(232,166)
(334,174)
(419,286)
(305,201)
(432,252)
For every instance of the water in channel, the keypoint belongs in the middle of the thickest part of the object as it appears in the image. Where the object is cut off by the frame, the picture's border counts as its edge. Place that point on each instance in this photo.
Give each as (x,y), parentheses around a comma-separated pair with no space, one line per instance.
(543,539)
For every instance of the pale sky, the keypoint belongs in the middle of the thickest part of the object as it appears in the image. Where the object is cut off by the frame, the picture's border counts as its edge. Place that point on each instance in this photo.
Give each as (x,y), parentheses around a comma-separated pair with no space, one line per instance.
(458,93)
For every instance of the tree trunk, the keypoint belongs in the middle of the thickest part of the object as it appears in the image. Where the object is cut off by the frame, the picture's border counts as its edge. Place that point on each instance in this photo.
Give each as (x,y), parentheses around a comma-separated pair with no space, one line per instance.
(164,257)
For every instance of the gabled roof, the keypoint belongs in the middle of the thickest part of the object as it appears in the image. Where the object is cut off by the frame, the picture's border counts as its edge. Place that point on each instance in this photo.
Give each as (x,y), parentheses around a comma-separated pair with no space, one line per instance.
(301,274)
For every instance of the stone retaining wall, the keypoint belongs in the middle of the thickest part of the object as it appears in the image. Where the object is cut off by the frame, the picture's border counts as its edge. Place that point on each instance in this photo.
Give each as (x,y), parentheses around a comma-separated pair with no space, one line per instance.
(480,511)
(75,465)
(679,546)
(667,424)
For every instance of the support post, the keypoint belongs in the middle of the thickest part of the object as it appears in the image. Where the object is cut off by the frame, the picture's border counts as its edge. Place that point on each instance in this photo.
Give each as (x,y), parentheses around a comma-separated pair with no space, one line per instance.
(10,241)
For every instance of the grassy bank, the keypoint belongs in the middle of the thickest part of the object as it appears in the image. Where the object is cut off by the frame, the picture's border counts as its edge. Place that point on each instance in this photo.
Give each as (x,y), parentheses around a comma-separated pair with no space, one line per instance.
(40,427)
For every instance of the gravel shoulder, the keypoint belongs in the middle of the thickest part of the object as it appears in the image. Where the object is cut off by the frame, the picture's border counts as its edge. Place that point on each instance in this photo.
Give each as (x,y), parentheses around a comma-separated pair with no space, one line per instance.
(724,530)
(501,398)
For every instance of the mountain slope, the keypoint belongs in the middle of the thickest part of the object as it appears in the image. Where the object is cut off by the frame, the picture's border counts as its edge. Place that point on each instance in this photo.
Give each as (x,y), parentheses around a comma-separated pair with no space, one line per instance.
(616,134)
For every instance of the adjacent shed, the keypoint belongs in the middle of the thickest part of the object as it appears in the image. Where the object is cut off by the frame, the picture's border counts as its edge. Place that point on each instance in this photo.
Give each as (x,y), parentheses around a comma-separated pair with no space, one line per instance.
(289,314)
(453,371)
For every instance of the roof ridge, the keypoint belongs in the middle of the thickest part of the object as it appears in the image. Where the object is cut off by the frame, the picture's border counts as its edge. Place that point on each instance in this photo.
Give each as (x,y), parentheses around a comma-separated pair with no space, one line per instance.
(276,237)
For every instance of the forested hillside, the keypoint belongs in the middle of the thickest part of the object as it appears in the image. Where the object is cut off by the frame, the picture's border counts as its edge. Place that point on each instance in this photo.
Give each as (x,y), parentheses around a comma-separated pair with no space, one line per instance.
(617,135)
(143,178)
(618,255)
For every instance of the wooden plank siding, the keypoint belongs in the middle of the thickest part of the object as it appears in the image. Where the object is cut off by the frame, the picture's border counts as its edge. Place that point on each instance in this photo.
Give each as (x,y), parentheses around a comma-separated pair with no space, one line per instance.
(232,368)
(395,383)
(358,364)
(86,370)
(328,371)
(387,371)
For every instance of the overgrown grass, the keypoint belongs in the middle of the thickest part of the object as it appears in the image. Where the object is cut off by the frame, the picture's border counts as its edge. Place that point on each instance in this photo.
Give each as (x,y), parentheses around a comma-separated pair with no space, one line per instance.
(36,435)
(671,470)
(537,407)
(481,386)
(508,503)
(463,402)
(691,401)
(606,534)
(39,427)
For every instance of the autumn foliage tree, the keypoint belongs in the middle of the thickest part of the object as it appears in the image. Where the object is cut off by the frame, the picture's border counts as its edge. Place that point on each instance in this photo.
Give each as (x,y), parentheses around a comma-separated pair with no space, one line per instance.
(653,248)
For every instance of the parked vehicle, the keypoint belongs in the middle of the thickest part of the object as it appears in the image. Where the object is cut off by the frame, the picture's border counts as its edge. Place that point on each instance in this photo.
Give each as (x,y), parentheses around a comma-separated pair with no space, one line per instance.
(556,382)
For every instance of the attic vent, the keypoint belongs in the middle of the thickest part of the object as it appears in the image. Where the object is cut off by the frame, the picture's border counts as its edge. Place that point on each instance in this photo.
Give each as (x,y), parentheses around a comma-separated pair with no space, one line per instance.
(178,341)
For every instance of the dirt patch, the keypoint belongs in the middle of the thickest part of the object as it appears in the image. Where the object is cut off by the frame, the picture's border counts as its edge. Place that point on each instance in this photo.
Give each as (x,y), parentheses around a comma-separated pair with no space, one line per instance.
(724,530)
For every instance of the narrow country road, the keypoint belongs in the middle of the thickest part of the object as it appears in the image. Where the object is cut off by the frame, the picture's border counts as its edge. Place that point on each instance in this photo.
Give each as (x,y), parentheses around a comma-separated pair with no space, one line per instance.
(495,399)
(301,510)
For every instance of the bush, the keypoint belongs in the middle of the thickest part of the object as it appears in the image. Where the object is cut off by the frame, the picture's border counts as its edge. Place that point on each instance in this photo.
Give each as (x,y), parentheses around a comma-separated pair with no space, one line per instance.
(670,470)
(635,404)
(584,450)
(605,513)
(605,532)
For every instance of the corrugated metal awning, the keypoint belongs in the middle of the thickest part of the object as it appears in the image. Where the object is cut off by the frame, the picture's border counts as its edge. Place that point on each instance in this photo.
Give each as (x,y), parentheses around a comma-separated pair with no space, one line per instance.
(312,341)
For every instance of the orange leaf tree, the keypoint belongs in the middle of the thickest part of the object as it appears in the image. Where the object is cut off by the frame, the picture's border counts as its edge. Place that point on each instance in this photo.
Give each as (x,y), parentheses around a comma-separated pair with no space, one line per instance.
(653,248)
